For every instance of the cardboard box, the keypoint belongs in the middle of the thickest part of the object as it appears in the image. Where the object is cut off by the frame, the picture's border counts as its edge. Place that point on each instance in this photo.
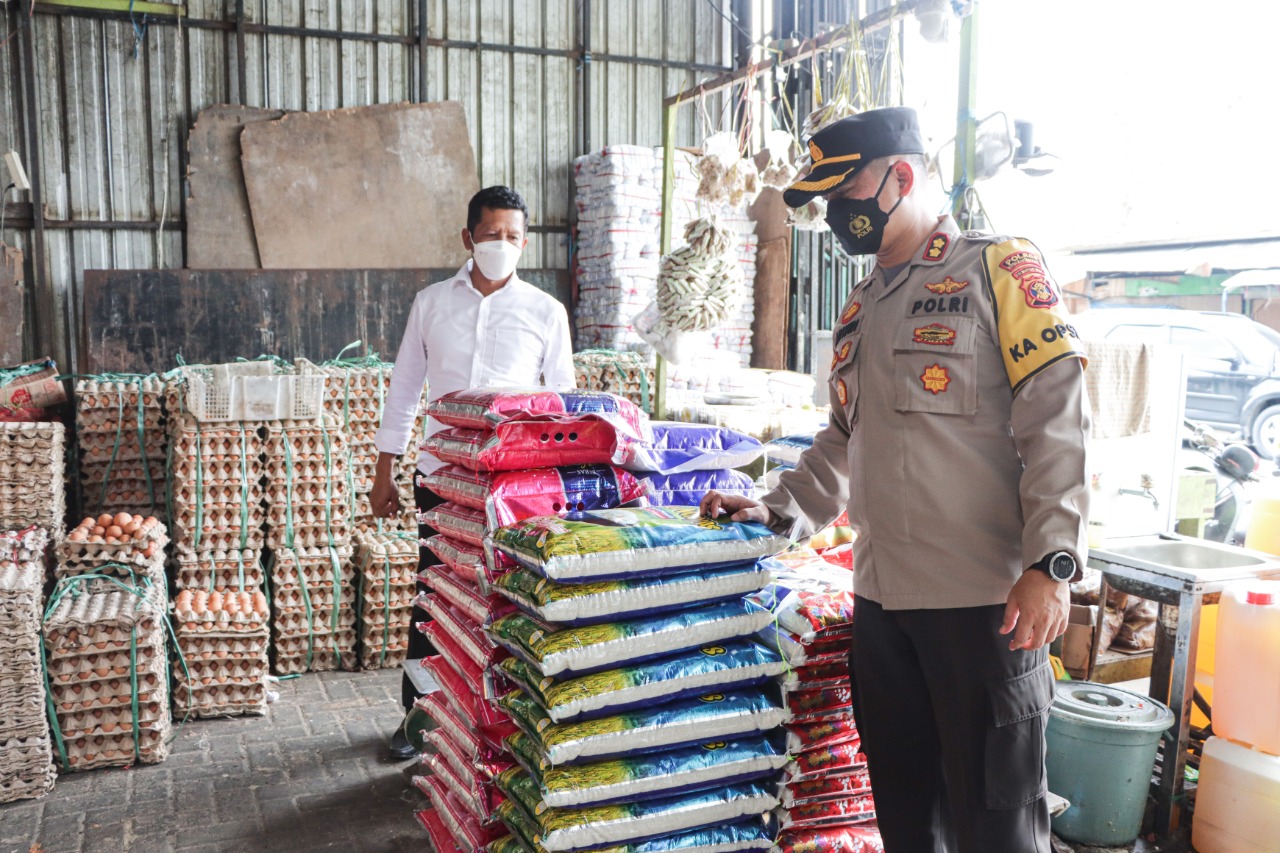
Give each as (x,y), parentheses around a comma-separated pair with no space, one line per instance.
(1077,643)
(38,390)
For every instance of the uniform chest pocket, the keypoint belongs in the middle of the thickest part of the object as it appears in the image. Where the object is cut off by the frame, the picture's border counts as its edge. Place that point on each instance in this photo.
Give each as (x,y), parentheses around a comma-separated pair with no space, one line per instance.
(844,376)
(934,365)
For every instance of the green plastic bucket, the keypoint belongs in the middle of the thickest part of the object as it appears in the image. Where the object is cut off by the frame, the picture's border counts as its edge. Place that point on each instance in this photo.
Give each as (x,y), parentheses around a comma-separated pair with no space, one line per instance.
(1101,749)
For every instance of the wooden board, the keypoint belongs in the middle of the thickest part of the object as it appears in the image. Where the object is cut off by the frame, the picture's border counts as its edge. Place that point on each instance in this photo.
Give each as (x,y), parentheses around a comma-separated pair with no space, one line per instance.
(381,187)
(219,225)
(139,321)
(12,306)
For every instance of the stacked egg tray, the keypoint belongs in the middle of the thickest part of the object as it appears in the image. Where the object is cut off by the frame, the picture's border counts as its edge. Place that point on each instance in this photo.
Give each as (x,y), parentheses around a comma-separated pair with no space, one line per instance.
(624,373)
(122,441)
(209,570)
(387,565)
(26,762)
(215,483)
(135,551)
(308,484)
(106,660)
(313,604)
(32,466)
(223,669)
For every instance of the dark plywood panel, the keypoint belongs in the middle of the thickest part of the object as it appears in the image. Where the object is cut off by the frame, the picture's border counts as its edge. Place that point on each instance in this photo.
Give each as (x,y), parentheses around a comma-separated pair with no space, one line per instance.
(219,225)
(381,187)
(12,310)
(139,321)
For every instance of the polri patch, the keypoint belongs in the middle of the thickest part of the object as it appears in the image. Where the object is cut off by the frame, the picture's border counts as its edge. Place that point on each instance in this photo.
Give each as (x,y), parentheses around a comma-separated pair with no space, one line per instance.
(841,353)
(1032,279)
(947,286)
(935,335)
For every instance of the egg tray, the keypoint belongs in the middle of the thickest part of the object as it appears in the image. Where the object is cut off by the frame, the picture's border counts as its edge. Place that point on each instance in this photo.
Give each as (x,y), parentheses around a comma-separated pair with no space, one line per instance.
(308,537)
(296,646)
(294,623)
(397,635)
(373,549)
(308,492)
(375,592)
(373,656)
(27,785)
(311,565)
(307,515)
(103,613)
(219,700)
(322,660)
(111,693)
(118,750)
(25,757)
(251,579)
(22,546)
(219,540)
(184,476)
(93,392)
(204,612)
(197,648)
(217,515)
(190,438)
(25,716)
(18,509)
(132,552)
(100,666)
(222,671)
(105,448)
(320,596)
(110,721)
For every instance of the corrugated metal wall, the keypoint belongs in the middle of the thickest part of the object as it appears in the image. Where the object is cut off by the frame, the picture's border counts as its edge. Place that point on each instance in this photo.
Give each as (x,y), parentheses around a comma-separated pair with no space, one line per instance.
(100,109)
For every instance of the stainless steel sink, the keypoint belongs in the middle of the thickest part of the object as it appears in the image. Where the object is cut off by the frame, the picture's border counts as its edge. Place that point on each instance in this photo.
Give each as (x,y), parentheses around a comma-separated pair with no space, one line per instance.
(1172,556)
(1187,554)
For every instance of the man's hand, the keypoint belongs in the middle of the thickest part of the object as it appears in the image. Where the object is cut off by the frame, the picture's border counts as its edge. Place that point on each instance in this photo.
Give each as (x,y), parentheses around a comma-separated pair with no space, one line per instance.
(1038,606)
(384,498)
(740,508)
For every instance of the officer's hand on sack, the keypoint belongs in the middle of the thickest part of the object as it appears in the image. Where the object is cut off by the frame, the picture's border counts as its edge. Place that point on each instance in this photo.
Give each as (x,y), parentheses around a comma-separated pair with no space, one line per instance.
(739,508)
(1038,607)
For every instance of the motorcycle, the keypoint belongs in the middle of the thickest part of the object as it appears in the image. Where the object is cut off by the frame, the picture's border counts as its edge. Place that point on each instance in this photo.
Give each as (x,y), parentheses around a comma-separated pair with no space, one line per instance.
(1234,465)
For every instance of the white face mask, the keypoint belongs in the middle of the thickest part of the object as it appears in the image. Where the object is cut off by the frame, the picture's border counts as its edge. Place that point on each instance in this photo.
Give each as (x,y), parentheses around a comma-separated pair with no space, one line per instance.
(496,258)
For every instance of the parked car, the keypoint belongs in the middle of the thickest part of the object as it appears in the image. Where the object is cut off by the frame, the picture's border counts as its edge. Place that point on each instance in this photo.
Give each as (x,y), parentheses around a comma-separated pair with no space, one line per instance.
(1233,364)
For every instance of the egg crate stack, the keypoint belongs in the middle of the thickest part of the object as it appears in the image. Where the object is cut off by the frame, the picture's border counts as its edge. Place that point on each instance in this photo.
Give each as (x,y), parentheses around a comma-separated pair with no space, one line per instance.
(826,784)
(628,678)
(387,564)
(307,484)
(223,668)
(209,570)
(122,440)
(124,545)
(215,486)
(32,466)
(627,374)
(313,604)
(106,660)
(26,759)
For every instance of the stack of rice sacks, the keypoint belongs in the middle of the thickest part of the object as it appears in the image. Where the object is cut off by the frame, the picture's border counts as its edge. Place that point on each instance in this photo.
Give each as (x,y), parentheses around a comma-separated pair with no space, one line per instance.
(216,506)
(826,794)
(385,557)
(502,448)
(120,432)
(31,470)
(619,206)
(26,763)
(644,709)
(313,590)
(107,662)
(684,461)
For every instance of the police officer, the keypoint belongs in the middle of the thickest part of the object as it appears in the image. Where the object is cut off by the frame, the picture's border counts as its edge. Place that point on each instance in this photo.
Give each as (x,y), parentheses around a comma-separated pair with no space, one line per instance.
(957,443)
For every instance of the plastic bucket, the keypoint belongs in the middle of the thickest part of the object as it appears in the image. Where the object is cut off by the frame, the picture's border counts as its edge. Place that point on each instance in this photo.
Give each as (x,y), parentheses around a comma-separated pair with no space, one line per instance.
(1101,748)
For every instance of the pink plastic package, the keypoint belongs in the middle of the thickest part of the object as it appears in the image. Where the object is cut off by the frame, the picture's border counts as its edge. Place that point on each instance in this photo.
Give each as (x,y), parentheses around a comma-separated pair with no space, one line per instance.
(458,522)
(485,408)
(830,761)
(829,703)
(465,829)
(802,737)
(468,562)
(467,635)
(511,496)
(839,812)
(546,441)
(852,784)
(466,599)
(836,839)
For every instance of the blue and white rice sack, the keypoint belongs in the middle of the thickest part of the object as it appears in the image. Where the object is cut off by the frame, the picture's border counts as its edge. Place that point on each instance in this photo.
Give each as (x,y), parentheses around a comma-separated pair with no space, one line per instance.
(681,447)
(688,487)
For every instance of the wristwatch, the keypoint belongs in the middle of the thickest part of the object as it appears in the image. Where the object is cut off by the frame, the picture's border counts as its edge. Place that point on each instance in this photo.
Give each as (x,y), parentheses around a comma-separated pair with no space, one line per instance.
(1059,565)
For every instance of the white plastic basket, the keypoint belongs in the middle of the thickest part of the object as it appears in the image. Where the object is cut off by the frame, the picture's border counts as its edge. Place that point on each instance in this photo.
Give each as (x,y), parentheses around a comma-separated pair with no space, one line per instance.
(252,391)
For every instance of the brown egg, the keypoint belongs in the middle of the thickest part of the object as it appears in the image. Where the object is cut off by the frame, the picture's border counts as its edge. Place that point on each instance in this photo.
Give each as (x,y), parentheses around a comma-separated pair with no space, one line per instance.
(78,535)
(125,537)
(131,528)
(104,520)
(122,519)
(98,530)
(114,530)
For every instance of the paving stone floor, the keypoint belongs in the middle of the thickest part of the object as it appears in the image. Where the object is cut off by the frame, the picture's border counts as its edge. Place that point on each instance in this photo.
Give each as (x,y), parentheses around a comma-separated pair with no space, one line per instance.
(311,775)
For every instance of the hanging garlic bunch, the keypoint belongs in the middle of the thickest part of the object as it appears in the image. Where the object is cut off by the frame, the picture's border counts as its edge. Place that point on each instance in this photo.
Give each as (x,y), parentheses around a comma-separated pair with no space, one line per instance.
(700,284)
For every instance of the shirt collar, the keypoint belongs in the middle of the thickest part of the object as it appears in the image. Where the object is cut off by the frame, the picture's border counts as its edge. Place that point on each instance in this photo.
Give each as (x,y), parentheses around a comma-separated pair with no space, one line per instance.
(462,278)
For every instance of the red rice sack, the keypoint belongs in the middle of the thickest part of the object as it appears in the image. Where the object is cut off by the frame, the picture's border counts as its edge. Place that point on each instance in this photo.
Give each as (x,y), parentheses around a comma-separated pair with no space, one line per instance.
(835,839)
(485,408)
(458,522)
(512,496)
(552,440)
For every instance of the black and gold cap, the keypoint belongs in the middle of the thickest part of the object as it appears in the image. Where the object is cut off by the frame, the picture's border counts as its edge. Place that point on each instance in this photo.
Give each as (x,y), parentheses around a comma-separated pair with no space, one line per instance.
(842,148)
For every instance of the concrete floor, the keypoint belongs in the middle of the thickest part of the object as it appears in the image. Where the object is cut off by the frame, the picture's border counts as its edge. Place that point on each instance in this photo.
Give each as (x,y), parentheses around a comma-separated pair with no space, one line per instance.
(311,775)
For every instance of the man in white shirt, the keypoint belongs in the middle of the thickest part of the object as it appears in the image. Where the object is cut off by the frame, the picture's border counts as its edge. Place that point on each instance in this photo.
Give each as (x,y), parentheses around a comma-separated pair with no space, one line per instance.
(482,328)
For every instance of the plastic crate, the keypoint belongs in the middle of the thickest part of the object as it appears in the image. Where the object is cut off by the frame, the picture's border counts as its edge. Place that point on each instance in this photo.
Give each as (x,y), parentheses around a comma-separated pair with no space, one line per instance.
(253,391)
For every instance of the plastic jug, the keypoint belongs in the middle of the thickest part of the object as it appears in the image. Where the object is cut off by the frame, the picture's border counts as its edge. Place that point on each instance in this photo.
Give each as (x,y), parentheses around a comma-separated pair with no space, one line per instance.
(1264,521)
(1246,705)
(1238,802)
(1206,658)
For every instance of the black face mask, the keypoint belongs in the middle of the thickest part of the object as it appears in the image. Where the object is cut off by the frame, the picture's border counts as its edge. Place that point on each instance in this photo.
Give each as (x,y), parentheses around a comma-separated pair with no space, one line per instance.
(858,223)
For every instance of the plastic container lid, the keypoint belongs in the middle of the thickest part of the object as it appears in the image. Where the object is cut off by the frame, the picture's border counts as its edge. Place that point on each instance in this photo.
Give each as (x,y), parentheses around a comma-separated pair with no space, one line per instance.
(1107,707)
(1255,596)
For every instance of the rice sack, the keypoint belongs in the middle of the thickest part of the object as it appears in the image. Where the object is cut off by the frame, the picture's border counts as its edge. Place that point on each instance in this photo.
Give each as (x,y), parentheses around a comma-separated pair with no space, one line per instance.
(713,716)
(824,704)
(465,699)
(578,604)
(460,523)
(797,652)
(735,664)
(648,776)
(835,839)
(565,830)
(826,763)
(441,839)
(462,790)
(620,543)
(467,635)
(463,597)
(817,677)
(485,408)
(679,447)
(558,652)
(802,737)
(855,784)
(469,563)
(511,496)
(461,734)
(787,449)
(752,834)
(515,445)
(688,487)
(839,812)
(465,829)
(814,605)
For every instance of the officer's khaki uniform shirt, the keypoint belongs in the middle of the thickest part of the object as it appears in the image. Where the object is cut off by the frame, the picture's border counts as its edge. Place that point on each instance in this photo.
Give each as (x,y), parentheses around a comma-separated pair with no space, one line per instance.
(957,431)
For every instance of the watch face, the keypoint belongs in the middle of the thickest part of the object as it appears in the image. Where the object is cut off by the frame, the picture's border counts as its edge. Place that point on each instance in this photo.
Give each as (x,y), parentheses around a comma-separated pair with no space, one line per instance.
(1062,567)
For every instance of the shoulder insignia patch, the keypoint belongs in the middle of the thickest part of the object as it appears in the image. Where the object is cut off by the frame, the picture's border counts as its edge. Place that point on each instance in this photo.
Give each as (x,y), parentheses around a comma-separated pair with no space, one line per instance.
(935,334)
(1029,270)
(936,248)
(842,392)
(947,285)
(850,312)
(841,353)
(935,379)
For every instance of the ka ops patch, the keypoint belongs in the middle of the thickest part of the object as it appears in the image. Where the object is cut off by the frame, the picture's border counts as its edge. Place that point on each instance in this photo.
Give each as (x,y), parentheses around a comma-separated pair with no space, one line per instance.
(1032,324)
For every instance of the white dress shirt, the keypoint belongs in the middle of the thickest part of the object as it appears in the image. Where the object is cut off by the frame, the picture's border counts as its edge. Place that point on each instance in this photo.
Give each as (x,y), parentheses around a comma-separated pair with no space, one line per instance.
(456,338)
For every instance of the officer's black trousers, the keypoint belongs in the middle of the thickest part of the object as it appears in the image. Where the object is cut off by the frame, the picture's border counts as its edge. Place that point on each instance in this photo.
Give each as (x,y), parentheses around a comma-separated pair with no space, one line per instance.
(419,645)
(952,723)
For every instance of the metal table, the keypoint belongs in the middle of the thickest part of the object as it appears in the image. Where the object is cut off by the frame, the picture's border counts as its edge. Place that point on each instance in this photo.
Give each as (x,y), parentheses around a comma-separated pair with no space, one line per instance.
(1180,592)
